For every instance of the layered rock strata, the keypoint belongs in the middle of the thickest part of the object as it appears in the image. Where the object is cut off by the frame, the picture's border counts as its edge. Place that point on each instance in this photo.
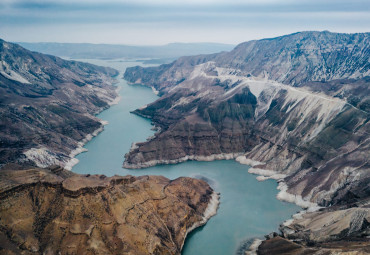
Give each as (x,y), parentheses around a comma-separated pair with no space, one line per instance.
(279,245)
(314,133)
(291,59)
(53,211)
(296,108)
(332,230)
(318,142)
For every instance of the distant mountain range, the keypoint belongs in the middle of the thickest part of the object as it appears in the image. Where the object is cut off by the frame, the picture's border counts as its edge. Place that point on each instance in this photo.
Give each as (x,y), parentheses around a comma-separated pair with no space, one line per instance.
(111,51)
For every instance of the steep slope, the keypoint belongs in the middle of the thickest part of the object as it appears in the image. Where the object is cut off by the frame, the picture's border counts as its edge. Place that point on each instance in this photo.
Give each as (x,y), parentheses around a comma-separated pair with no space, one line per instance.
(295,107)
(53,211)
(220,110)
(286,129)
(292,59)
(47,104)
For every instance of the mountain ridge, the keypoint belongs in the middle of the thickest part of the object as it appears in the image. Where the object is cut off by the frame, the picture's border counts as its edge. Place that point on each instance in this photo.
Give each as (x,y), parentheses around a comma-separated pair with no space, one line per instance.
(298,114)
(48,105)
(48,110)
(250,61)
(113,51)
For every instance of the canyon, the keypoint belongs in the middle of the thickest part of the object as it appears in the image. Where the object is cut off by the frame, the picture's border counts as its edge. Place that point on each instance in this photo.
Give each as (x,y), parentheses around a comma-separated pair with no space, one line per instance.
(295,108)
(48,109)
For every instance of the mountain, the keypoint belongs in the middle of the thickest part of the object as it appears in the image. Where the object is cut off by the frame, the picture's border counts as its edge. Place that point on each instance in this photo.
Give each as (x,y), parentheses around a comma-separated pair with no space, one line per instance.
(54,211)
(47,112)
(295,107)
(111,51)
(293,59)
(48,105)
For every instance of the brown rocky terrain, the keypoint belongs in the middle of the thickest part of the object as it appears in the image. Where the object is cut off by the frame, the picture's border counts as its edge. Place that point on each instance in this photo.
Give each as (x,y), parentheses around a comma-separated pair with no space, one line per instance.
(48,105)
(332,230)
(47,109)
(53,211)
(295,108)
(279,245)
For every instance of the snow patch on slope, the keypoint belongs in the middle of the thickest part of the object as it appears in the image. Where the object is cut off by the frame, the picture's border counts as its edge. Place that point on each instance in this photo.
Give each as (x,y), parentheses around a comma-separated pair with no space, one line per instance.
(10,74)
(44,157)
(325,107)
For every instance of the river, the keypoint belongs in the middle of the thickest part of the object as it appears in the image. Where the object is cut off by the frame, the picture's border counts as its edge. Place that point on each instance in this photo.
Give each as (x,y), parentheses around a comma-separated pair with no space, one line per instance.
(248,208)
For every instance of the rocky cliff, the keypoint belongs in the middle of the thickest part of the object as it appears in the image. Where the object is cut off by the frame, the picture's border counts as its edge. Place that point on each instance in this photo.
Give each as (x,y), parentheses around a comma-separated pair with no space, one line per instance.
(332,231)
(48,105)
(295,107)
(292,59)
(318,142)
(53,211)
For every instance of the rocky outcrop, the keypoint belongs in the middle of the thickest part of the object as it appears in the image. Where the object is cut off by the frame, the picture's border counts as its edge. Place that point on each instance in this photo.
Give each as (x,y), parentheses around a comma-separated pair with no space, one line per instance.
(48,105)
(295,107)
(279,245)
(334,230)
(328,225)
(53,211)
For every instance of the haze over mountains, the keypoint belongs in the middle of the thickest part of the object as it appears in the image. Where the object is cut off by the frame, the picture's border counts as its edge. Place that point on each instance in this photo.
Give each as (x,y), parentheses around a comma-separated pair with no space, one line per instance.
(111,51)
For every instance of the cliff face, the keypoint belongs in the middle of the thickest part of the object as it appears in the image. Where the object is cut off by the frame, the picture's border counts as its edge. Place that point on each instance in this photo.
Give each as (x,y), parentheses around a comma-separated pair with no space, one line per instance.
(332,231)
(53,211)
(47,104)
(319,142)
(291,59)
(296,108)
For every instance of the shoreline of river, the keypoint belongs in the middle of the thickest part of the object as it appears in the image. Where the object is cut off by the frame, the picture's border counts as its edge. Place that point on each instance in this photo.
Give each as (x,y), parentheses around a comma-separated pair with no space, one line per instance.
(191,244)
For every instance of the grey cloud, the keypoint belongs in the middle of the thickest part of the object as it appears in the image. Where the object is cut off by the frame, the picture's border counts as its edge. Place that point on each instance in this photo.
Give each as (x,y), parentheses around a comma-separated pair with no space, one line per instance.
(220,20)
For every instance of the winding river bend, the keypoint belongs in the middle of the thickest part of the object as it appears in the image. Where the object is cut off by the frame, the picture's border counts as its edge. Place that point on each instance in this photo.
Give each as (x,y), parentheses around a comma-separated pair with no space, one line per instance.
(248,208)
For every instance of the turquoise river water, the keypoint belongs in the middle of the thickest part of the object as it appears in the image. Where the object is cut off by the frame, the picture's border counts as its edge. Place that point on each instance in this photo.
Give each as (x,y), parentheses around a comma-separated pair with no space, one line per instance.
(248,208)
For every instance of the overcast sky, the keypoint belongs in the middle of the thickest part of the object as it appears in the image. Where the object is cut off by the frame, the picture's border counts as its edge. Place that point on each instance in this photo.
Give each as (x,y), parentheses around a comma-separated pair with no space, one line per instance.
(155,22)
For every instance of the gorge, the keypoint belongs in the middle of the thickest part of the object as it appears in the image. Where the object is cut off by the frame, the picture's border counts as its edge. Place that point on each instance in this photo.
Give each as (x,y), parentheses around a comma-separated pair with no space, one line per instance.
(244,212)
(48,112)
(294,107)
